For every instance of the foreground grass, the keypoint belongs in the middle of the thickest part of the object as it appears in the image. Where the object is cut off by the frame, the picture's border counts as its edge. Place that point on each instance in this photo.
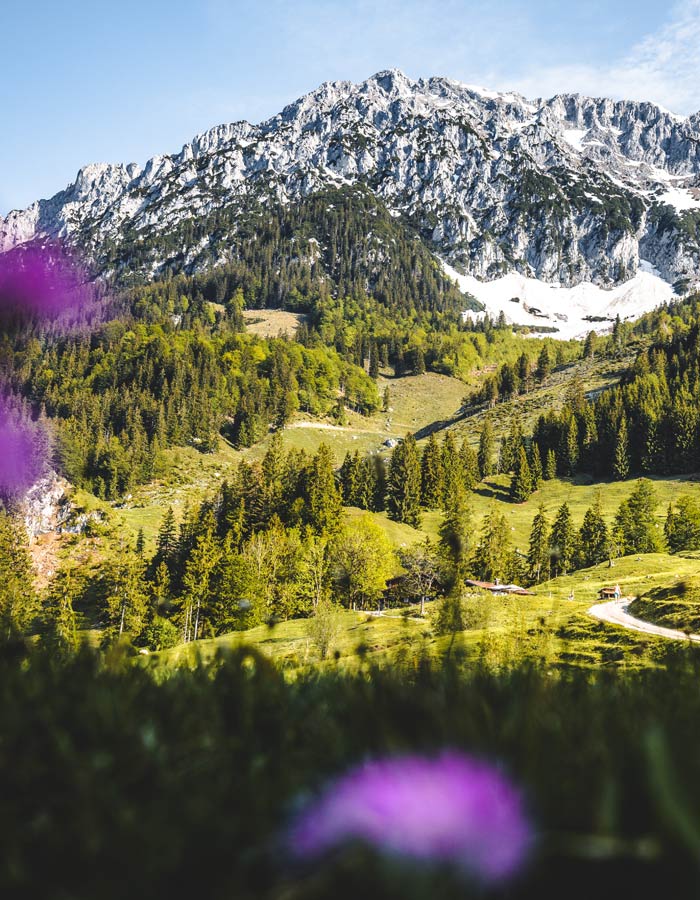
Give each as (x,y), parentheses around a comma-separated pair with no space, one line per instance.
(115,785)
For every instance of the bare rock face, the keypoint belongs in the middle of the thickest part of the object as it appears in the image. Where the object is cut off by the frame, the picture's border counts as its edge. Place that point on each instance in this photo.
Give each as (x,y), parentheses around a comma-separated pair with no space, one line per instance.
(567,190)
(46,506)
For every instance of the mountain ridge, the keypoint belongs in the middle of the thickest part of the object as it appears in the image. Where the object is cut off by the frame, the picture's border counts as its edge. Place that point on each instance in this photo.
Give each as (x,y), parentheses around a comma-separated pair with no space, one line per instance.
(567,190)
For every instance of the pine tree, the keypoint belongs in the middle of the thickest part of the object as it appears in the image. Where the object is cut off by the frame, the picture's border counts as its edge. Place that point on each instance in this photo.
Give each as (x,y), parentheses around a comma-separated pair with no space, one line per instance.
(590,344)
(350,479)
(167,538)
(370,484)
(535,467)
(593,539)
(196,582)
(544,364)
(562,541)
(470,465)
(452,478)
(404,483)
(324,503)
(127,604)
(373,361)
(635,527)
(682,528)
(493,554)
(538,552)
(550,469)
(59,614)
(485,454)
(431,474)
(18,599)
(568,448)
(456,535)
(521,482)
(621,462)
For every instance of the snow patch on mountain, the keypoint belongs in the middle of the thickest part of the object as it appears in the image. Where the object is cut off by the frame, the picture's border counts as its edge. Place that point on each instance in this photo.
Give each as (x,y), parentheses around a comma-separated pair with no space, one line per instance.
(573,311)
(681,198)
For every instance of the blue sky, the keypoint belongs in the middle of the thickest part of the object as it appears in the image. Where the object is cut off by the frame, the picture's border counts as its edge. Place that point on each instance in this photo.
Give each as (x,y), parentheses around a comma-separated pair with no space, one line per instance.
(121,81)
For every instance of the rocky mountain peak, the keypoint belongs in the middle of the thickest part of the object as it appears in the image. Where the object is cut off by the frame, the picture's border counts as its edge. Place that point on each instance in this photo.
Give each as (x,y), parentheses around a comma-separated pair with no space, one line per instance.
(569,189)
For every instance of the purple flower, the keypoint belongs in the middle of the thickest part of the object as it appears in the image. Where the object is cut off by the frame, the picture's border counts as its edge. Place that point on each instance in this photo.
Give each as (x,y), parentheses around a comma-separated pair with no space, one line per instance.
(451,808)
(40,283)
(22,452)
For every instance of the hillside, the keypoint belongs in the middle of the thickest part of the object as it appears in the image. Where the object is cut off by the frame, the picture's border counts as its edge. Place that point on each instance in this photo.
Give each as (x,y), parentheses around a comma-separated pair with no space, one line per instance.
(671,606)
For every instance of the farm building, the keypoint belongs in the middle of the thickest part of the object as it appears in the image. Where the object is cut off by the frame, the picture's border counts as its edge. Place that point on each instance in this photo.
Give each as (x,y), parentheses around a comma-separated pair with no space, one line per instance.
(498,588)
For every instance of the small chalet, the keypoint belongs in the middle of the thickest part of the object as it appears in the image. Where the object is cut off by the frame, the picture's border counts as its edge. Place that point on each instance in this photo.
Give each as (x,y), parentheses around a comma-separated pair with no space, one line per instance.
(498,588)
(610,593)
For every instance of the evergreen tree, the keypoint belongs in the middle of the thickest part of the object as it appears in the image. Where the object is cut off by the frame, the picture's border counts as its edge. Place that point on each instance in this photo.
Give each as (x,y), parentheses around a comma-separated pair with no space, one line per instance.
(521,482)
(535,467)
(568,448)
(167,538)
(452,475)
(485,454)
(403,489)
(635,527)
(470,465)
(350,479)
(197,583)
(562,541)
(621,463)
(18,599)
(538,552)
(324,503)
(590,344)
(593,538)
(59,614)
(456,536)
(431,474)
(373,361)
(544,364)
(550,469)
(492,559)
(127,604)
(682,528)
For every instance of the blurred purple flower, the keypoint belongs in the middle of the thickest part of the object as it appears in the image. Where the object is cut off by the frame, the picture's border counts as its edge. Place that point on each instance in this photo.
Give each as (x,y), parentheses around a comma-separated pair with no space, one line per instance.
(451,808)
(40,283)
(22,452)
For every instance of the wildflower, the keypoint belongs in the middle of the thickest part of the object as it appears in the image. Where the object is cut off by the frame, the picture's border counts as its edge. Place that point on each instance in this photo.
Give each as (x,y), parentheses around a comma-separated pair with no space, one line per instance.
(451,808)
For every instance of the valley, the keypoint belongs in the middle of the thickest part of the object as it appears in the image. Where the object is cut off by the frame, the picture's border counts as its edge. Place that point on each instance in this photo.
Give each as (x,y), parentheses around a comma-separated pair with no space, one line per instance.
(356,454)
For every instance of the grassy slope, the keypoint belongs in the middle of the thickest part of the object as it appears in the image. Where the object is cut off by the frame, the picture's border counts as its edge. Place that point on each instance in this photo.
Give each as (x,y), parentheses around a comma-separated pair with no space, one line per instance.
(547,627)
(672,606)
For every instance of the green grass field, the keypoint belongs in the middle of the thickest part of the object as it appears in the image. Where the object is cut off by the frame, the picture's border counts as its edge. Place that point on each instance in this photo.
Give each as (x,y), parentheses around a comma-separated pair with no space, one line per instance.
(547,628)
(675,605)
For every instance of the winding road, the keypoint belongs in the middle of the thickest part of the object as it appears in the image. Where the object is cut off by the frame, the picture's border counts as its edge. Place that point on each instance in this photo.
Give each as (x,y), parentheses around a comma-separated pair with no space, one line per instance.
(615,613)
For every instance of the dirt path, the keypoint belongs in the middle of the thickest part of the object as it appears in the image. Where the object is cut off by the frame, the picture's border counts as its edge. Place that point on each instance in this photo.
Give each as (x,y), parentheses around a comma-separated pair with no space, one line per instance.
(615,613)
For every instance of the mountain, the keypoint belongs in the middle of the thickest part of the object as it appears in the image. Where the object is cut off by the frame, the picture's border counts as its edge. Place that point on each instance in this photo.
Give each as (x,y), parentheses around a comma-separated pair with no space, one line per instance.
(567,191)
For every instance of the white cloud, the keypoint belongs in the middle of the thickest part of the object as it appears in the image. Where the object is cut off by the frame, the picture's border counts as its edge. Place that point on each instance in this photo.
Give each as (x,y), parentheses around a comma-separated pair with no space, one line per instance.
(663,67)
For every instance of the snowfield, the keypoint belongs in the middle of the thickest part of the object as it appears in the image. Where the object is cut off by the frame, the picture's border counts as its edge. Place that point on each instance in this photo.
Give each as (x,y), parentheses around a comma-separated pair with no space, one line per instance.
(529,301)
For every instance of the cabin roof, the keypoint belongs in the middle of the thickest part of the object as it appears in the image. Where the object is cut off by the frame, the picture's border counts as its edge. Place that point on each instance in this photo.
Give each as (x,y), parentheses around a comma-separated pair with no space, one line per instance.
(499,588)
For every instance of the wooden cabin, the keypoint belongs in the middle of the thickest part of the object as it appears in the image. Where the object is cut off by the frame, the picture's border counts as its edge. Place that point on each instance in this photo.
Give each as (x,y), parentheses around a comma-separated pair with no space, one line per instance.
(498,588)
